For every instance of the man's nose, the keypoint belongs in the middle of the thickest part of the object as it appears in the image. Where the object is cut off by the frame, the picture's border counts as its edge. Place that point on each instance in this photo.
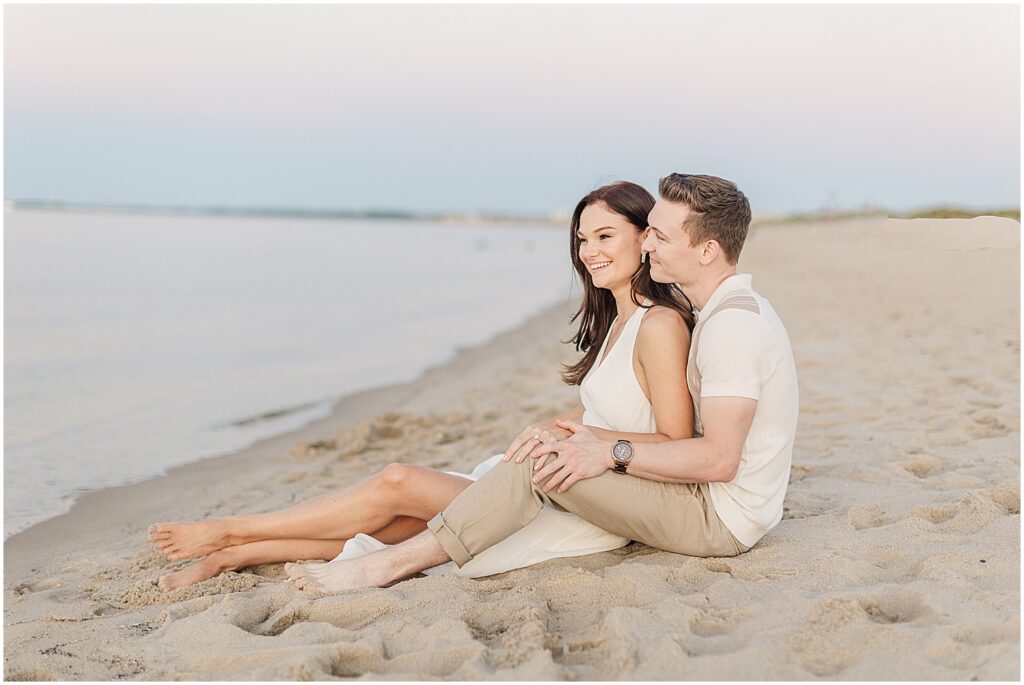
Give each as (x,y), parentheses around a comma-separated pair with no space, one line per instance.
(648,244)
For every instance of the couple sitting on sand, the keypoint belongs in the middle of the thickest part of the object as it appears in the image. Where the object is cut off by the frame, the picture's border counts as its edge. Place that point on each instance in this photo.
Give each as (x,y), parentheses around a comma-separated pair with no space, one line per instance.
(683,438)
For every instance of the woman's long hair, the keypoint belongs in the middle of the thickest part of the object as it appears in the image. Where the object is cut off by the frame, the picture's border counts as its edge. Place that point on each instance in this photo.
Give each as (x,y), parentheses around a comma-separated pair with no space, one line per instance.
(597,310)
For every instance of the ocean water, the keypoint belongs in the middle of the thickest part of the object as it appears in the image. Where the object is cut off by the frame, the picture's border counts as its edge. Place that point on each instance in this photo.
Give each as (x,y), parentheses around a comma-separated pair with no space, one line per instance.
(135,343)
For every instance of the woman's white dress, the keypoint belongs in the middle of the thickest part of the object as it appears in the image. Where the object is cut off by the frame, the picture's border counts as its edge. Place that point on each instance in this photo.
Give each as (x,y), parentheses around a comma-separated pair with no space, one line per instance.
(612,399)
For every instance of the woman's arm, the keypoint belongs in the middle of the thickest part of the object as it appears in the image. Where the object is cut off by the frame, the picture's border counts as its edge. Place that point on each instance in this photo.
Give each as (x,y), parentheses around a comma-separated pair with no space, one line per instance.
(662,347)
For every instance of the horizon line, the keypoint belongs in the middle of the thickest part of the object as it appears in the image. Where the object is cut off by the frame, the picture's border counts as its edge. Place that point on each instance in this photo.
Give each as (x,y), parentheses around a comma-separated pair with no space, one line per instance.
(934,210)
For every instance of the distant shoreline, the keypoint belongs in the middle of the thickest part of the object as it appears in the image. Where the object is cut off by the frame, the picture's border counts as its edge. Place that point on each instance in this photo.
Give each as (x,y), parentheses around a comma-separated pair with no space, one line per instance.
(555,219)
(285,212)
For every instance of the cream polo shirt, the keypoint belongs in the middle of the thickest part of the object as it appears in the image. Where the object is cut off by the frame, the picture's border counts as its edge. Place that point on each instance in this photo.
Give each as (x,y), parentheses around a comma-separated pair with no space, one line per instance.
(746,353)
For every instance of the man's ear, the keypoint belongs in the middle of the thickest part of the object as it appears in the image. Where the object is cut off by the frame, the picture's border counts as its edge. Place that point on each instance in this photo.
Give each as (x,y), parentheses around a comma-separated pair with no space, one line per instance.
(709,252)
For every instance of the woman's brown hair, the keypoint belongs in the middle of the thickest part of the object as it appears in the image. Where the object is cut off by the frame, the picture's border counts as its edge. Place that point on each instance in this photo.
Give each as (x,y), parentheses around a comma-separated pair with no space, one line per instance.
(597,310)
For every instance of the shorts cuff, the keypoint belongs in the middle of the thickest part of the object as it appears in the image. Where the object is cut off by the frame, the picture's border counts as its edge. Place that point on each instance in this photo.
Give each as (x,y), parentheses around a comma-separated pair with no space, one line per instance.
(449,541)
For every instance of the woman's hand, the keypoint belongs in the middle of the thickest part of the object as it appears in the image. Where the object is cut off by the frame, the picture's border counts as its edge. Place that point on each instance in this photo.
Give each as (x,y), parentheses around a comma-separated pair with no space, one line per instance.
(540,433)
(584,455)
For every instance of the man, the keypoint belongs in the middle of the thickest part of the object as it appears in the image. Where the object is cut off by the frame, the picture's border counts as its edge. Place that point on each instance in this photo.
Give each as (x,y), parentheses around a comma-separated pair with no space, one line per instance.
(715,494)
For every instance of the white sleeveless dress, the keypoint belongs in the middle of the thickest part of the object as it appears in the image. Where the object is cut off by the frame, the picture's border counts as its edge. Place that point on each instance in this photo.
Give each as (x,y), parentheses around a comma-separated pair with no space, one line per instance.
(612,399)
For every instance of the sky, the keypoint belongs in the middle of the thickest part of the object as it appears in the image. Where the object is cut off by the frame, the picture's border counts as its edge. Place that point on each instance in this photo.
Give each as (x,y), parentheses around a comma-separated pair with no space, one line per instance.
(510,109)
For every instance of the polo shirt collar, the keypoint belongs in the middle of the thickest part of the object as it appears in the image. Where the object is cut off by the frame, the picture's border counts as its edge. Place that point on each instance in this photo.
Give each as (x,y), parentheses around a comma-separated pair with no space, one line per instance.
(735,282)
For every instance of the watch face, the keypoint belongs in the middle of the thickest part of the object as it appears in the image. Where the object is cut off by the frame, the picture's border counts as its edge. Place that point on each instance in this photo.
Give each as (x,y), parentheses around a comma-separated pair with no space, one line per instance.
(622,451)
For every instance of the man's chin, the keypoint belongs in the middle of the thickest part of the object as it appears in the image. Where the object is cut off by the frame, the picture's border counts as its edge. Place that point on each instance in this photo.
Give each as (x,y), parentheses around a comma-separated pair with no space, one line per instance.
(658,274)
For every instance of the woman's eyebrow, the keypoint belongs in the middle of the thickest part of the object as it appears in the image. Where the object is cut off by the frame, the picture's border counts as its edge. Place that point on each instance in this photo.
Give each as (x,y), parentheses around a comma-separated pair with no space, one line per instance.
(598,230)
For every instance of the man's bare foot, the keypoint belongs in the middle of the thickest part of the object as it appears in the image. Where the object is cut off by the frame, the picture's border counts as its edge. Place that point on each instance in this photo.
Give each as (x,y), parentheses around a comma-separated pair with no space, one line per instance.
(296,570)
(196,573)
(372,570)
(189,540)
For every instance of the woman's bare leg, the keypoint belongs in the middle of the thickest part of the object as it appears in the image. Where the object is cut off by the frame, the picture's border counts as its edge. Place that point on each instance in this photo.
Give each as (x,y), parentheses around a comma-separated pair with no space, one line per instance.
(274,551)
(397,490)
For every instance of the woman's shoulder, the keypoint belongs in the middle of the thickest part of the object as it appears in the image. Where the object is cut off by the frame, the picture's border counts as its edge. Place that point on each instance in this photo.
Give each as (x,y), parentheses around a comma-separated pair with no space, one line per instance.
(662,320)
(663,334)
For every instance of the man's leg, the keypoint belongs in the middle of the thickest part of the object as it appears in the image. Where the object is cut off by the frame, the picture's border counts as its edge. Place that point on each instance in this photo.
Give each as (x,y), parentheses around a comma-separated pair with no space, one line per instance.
(670,516)
(676,517)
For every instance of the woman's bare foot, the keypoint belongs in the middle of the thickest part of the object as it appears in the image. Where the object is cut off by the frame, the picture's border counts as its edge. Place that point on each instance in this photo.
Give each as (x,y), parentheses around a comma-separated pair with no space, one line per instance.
(196,573)
(189,540)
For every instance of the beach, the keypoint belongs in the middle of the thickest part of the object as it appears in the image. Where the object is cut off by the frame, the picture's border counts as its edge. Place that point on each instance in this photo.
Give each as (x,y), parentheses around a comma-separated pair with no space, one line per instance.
(898,556)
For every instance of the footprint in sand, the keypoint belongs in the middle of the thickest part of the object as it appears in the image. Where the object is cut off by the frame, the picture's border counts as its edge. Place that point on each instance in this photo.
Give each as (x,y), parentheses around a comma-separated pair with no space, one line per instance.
(799,505)
(33,586)
(1007,497)
(838,633)
(923,466)
(935,513)
(714,622)
(975,643)
(869,516)
(296,611)
(992,424)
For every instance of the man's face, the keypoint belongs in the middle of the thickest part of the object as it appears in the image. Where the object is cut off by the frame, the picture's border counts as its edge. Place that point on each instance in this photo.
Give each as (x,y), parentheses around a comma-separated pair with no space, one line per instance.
(667,244)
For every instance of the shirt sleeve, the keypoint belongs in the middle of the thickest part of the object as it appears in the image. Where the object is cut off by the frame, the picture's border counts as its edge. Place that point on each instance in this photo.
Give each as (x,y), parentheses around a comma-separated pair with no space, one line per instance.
(735,355)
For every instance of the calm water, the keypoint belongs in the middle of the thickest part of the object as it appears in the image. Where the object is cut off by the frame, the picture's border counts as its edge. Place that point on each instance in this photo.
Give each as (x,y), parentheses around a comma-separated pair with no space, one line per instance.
(138,343)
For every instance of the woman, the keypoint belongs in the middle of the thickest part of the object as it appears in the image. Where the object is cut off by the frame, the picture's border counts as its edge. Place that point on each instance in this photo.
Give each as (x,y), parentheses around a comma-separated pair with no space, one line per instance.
(634,334)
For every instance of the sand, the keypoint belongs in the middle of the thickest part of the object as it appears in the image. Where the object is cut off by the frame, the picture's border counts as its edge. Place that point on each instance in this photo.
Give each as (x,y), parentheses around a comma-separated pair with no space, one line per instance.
(898,556)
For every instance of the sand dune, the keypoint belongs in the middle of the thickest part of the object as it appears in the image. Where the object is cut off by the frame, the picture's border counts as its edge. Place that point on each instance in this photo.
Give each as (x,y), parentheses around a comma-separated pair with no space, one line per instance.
(898,556)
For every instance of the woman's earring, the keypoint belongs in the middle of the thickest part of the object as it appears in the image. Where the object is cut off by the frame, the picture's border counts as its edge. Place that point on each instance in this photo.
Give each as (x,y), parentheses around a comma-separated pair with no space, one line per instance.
(643,257)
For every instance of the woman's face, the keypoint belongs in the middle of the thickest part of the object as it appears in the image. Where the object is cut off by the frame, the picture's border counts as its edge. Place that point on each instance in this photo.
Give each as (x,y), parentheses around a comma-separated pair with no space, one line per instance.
(609,246)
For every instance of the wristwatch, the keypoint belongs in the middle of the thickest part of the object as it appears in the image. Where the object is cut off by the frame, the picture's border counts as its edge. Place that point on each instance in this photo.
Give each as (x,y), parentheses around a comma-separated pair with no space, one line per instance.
(622,453)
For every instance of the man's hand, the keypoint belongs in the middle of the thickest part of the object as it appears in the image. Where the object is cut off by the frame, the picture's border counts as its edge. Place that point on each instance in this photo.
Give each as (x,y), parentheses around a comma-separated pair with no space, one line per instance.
(584,455)
(532,437)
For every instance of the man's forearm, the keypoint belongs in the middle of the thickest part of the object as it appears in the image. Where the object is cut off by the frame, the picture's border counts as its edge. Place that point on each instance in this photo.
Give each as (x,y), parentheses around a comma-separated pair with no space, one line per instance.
(606,434)
(695,460)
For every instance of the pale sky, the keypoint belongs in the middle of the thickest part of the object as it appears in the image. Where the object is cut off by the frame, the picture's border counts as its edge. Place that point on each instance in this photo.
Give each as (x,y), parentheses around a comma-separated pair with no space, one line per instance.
(517,109)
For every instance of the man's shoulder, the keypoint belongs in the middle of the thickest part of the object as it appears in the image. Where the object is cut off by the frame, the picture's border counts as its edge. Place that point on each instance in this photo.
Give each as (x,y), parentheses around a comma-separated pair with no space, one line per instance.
(737,320)
(738,334)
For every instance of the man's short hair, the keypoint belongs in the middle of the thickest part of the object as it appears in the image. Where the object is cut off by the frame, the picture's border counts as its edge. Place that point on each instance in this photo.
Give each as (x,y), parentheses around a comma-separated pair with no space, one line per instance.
(720,210)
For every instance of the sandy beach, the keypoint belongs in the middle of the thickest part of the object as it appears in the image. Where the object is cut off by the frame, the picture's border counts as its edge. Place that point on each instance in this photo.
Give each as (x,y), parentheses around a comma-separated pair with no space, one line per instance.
(898,556)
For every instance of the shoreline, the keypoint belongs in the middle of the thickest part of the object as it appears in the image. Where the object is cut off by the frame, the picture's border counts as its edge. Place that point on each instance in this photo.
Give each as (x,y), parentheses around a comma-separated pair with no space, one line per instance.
(154,387)
(100,507)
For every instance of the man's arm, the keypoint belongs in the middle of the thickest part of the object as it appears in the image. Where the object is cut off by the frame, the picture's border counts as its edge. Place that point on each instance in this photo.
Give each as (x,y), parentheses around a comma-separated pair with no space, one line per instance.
(712,458)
